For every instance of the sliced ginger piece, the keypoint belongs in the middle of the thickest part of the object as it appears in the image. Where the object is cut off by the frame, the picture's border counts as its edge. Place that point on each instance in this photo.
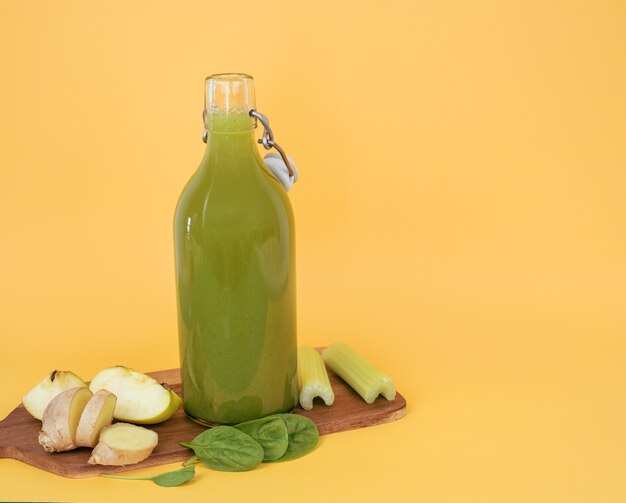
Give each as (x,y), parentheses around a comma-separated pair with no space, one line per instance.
(123,444)
(98,413)
(60,419)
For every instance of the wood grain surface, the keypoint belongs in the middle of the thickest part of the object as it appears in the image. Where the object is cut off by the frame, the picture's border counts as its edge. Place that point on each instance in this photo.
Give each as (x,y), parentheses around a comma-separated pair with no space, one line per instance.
(19,430)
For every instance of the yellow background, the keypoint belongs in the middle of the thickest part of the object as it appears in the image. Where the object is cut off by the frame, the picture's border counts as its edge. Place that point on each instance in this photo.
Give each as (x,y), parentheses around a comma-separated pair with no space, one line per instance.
(461,220)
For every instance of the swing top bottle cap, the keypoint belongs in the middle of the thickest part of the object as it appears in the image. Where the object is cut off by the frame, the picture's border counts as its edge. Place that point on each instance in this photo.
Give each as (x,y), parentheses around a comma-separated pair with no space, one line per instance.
(228,93)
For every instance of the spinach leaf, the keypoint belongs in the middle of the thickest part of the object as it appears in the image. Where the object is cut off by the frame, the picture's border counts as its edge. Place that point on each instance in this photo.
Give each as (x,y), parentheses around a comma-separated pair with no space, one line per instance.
(167,479)
(270,433)
(226,449)
(303,436)
(175,478)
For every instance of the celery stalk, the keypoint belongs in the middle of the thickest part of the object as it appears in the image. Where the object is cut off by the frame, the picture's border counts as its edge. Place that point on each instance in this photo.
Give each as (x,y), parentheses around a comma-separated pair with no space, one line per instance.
(313,378)
(360,374)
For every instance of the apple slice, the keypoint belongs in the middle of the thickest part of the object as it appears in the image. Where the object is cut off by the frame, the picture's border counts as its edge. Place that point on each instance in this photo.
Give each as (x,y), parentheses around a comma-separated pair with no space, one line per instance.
(37,399)
(140,398)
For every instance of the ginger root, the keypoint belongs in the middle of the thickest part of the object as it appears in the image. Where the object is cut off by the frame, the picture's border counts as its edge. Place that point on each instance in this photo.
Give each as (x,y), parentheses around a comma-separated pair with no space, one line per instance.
(60,419)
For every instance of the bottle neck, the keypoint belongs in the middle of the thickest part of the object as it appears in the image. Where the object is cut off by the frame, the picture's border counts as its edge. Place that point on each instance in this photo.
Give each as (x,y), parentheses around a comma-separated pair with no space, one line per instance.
(230,128)
(230,142)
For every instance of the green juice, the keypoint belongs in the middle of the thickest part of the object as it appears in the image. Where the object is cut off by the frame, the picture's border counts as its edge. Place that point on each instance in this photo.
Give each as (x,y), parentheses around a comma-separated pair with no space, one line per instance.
(235,275)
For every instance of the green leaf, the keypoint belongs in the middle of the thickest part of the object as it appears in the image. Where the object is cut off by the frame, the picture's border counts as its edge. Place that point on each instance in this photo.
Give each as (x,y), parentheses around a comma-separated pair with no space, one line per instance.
(175,478)
(226,449)
(303,436)
(270,433)
(167,479)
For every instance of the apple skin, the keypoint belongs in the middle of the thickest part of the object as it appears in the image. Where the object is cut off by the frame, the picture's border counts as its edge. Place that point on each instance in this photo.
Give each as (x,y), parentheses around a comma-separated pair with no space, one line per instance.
(175,403)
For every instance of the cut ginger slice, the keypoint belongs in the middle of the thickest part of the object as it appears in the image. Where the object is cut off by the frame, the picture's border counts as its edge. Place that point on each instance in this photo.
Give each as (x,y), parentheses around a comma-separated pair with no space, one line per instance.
(123,444)
(98,413)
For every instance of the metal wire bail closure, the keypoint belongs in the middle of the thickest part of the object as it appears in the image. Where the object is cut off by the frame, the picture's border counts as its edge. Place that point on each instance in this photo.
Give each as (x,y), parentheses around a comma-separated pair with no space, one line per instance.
(267,139)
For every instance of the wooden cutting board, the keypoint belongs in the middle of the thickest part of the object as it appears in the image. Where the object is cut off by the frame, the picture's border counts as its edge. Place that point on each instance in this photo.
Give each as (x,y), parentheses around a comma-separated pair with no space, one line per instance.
(19,430)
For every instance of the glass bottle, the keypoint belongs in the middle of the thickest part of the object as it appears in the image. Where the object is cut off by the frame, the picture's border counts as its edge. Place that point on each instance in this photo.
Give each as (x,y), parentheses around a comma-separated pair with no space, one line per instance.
(235,271)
